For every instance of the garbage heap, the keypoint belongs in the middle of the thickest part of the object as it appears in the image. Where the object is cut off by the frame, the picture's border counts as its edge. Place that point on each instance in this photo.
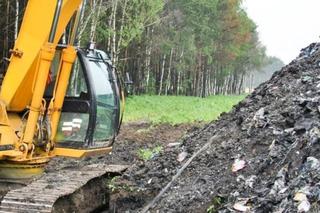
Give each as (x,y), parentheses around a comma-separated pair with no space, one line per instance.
(264,156)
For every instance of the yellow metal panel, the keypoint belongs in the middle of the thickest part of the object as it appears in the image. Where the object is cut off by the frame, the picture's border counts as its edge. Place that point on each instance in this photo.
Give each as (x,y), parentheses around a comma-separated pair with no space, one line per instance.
(17,88)
(20,170)
(33,33)
(68,57)
(10,153)
(68,10)
(19,173)
(7,136)
(15,121)
(78,153)
(46,57)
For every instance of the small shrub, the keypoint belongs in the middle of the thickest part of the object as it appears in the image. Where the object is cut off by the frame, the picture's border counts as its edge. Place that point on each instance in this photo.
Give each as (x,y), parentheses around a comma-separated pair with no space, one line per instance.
(113,185)
(148,154)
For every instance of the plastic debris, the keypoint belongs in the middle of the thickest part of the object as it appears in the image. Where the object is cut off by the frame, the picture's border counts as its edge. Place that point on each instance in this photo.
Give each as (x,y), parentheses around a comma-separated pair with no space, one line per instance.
(300,197)
(304,206)
(182,156)
(259,114)
(280,183)
(250,181)
(173,144)
(241,206)
(274,149)
(238,165)
(313,163)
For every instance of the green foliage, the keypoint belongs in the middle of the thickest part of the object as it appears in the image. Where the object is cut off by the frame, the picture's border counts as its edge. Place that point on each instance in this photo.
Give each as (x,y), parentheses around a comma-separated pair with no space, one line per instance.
(114,185)
(132,17)
(215,204)
(212,41)
(111,184)
(148,154)
(178,109)
(211,46)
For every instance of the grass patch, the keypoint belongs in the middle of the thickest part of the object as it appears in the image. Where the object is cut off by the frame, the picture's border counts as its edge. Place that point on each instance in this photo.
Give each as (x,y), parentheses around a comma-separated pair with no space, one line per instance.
(114,185)
(148,154)
(178,109)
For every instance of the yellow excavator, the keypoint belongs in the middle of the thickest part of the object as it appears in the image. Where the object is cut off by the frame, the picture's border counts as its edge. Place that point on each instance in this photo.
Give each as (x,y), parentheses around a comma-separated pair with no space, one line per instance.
(55,100)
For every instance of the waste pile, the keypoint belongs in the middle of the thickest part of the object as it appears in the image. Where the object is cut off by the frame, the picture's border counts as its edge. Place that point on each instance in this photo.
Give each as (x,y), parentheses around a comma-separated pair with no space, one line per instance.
(263,156)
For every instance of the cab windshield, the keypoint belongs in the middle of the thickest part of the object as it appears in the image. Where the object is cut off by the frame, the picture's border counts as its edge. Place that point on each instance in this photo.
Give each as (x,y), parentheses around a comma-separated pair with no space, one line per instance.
(105,98)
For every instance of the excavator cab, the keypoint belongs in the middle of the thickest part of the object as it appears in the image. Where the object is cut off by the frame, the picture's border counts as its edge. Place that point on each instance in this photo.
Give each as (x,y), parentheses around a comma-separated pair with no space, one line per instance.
(90,116)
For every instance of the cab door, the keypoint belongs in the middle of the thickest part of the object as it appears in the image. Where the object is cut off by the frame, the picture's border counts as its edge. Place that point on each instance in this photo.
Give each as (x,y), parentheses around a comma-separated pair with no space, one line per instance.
(90,114)
(105,97)
(74,128)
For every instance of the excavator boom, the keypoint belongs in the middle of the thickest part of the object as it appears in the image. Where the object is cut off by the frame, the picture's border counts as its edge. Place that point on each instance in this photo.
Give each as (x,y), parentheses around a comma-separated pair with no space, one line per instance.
(18,84)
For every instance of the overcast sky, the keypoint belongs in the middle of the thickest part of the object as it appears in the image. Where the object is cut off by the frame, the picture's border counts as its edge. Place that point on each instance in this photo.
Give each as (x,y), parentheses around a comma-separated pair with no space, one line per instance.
(285,26)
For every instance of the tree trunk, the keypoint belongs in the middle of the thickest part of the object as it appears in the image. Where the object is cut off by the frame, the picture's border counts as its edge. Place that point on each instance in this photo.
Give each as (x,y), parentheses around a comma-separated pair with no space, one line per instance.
(204,79)
(169,72)
(85,23)
(6,30)
(240,89)
(162,73)
(114,34)
(110,22)
(95,19)
(16,21)
(121,27)
(148,55)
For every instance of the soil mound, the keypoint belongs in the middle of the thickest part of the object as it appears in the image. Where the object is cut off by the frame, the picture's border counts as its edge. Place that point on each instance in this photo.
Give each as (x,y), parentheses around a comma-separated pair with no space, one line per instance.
(263,156)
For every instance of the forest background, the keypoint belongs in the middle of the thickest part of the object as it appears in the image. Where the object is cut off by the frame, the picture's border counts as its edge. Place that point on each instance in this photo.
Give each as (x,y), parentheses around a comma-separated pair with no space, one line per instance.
(168,47)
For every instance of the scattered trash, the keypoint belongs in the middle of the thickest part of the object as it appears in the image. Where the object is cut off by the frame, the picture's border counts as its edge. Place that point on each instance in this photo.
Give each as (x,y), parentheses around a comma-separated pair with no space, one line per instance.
(173,144)
(182,156)
(259,119)
(242,206)
(259,114)
(251,180)
(274,149)
(313,163)
(280,182)
(304,206)
(274,134)
(300,197)
(238,165)
(241,178)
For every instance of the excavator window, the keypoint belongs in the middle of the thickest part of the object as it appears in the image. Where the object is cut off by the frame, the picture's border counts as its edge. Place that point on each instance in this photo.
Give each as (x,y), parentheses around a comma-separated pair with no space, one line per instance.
(73,125)
(74,120)
(77,83)
(105,99)
(90,114)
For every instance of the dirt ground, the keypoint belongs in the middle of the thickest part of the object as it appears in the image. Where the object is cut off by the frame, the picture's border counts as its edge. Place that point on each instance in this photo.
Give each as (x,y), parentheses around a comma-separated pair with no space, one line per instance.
(145,178)
(133,138)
